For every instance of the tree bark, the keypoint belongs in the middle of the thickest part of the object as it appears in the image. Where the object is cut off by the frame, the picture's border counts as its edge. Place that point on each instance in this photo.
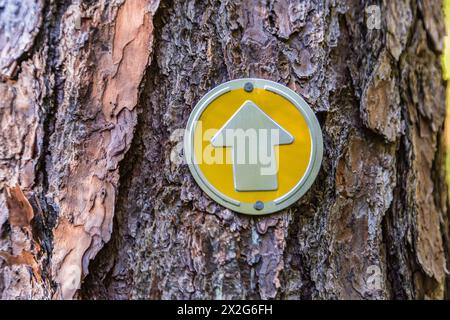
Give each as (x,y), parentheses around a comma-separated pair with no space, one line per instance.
(93,94)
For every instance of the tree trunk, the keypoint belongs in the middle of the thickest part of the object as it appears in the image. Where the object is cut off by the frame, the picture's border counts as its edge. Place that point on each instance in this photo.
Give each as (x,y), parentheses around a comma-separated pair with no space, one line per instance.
(92,204)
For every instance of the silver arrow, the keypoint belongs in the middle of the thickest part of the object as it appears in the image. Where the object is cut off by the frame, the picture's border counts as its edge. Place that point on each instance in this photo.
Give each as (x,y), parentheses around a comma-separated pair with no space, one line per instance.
(252,135)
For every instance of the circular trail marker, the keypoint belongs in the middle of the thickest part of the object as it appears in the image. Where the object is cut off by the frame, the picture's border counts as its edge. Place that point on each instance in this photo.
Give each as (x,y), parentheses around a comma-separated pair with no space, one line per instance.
(253,145)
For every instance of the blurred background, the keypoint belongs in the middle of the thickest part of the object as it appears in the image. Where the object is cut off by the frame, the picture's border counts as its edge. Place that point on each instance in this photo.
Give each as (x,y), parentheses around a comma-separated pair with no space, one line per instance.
(446,67)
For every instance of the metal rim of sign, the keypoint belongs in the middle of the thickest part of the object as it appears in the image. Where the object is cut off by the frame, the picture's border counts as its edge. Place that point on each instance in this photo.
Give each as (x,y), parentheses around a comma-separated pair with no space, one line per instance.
(298,190)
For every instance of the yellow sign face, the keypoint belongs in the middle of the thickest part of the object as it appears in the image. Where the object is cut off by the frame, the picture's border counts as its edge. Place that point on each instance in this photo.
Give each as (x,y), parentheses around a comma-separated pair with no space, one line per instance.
(253,145)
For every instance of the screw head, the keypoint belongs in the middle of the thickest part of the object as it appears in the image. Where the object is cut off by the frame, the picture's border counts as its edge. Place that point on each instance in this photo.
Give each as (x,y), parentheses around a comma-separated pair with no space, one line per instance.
(259,205)
(248,87)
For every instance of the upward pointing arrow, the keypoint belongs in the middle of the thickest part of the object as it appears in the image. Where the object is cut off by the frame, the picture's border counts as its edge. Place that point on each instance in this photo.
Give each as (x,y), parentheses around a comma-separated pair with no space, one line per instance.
(252,135)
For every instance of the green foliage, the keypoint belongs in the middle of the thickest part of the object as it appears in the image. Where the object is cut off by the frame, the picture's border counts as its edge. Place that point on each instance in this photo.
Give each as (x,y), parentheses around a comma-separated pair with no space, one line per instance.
(446,57)
(446,74)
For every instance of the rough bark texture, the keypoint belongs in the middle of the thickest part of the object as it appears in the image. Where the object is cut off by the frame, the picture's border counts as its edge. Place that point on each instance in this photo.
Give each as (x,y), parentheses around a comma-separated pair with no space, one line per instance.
(93,92)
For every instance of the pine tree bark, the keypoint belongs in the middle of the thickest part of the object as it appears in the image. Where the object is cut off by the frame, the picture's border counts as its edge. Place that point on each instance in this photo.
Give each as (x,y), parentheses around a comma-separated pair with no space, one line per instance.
(93,205)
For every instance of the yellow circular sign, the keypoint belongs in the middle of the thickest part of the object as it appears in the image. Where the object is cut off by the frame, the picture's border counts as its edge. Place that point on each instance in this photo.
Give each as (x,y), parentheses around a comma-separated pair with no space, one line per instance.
(253,145)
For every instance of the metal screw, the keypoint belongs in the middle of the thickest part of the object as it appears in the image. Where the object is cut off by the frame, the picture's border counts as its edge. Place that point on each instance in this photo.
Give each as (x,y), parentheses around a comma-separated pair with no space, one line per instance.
(248,87)
(259,205)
